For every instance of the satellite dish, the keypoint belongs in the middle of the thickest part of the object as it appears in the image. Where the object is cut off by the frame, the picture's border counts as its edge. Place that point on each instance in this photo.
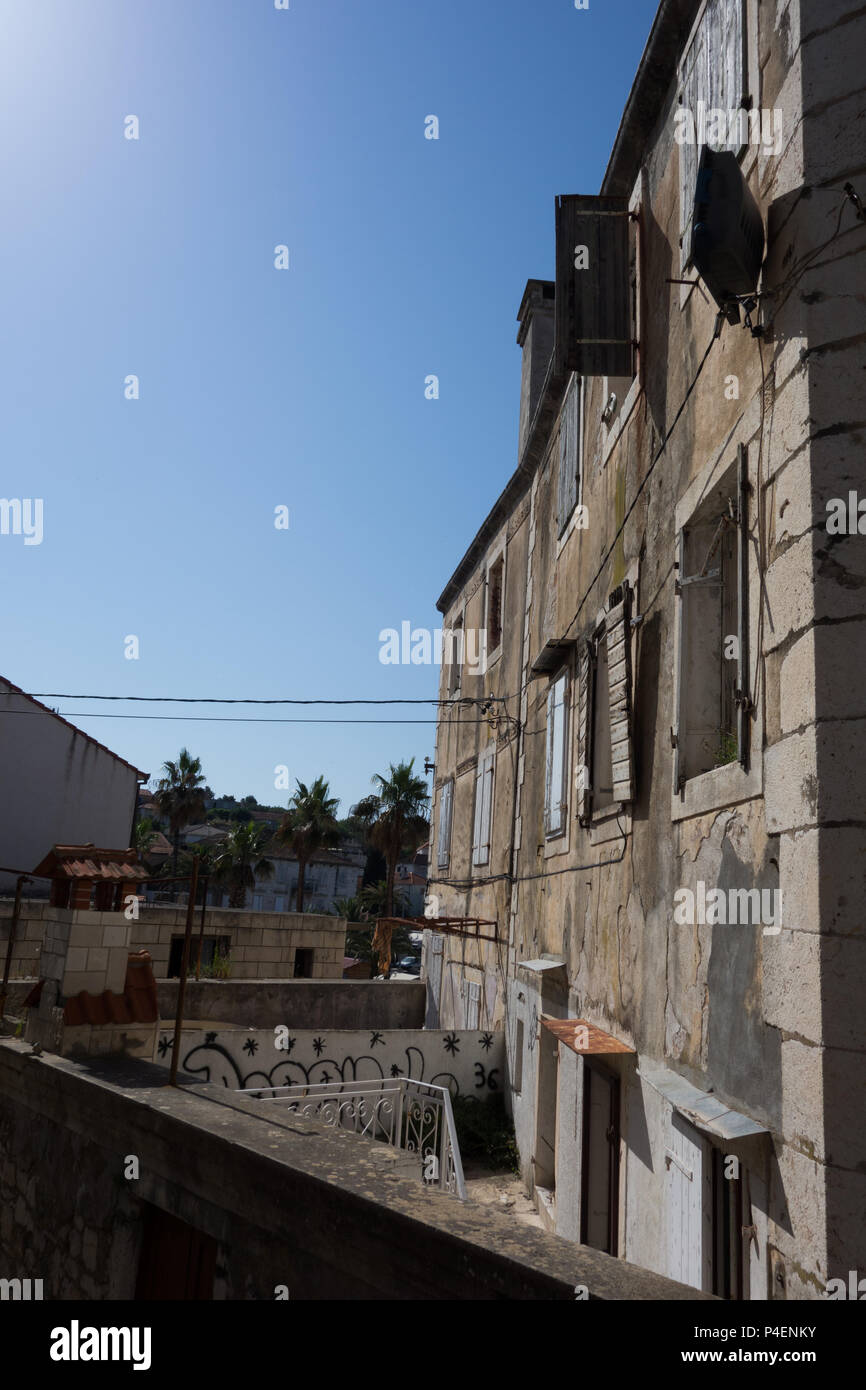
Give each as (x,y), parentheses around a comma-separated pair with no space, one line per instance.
(727,231)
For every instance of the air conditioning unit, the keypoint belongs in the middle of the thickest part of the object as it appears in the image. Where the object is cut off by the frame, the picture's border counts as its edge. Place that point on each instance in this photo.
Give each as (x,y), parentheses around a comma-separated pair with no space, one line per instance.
(727,231)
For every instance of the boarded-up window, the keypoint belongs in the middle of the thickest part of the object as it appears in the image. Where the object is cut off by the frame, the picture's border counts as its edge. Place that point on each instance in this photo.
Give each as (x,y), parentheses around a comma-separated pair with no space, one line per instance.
(712,663)
(569,455)
(712,78)
(446,799)
(556,784)
(483,808)
(594,312)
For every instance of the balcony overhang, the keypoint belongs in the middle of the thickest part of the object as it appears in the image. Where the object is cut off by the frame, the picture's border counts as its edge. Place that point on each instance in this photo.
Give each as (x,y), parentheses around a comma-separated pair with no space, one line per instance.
(552,655)
(702,1109)
(584,1038)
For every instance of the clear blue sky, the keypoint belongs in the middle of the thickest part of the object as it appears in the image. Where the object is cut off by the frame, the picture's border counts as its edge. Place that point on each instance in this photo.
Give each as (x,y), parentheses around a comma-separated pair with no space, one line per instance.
(261,387)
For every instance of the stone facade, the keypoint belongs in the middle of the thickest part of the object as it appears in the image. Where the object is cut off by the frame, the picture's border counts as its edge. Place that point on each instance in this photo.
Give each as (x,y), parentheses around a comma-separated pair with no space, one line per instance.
(760,1017)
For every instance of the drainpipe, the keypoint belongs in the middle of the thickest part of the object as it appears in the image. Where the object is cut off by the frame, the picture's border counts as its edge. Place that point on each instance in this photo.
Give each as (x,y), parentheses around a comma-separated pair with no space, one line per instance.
(16,913)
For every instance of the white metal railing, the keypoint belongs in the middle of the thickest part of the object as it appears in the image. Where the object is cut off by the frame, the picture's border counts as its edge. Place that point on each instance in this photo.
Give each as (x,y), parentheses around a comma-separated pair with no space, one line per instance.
(409,1115)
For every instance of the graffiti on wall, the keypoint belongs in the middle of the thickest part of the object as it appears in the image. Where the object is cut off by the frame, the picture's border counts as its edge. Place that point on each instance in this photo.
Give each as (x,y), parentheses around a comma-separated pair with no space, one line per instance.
(468,1063)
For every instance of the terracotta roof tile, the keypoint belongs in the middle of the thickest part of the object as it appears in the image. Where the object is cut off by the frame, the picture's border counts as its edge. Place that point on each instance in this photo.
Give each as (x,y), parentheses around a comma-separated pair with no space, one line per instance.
(137,1004)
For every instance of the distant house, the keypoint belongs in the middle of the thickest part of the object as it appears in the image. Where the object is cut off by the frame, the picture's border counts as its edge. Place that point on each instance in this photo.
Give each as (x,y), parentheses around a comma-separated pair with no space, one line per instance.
(59,786)
(411,881)
(332,875)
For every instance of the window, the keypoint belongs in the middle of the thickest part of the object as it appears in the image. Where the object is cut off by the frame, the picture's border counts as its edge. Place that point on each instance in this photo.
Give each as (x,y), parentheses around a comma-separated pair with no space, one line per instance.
(556,782)
(454,654)
(446,802)
(569,455)
(280,903)
(605,760)
(258,901)
(495,596)
(304,963)
(712,679)
(483,808)
(712,73)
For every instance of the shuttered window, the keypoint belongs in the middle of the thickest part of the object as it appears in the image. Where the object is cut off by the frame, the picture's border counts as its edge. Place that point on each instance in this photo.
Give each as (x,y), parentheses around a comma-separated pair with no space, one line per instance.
(712,77)
(569,455)
(446,799)
(619,684)
(586,664)
(594,311)
(713,701)
(604,745)
(483,808)
(556,786)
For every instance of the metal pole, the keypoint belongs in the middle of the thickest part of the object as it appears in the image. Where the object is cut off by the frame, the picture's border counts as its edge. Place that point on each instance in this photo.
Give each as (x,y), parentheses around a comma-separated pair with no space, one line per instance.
(184,966)
(13,923)
(201,927)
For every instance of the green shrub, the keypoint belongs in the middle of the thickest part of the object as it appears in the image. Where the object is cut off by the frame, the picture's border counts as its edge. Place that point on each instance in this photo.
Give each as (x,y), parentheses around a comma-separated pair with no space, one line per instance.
(485,1132)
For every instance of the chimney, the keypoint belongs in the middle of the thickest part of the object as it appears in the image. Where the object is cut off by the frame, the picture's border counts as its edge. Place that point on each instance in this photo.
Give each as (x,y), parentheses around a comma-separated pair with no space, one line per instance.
(535,336)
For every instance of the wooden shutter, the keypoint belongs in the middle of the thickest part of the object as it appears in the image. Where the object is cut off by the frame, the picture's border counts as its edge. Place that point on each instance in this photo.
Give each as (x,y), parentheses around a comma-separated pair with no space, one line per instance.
(619,676)
(556,792)
(586,662)
(483,808)
(679,665)
(713,72)
(593,312)
(569,454)
(434,980)
(684,1158)
(445,804)
(473,1004)
(742,696)
(695,85)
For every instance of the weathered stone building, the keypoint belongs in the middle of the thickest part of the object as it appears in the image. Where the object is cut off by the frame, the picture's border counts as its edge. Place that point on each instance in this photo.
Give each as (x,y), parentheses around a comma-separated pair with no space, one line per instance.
(661,803)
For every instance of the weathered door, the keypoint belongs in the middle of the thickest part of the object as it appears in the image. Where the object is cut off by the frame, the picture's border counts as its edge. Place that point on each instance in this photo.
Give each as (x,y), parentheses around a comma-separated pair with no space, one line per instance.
(686,1158)
(176,1262)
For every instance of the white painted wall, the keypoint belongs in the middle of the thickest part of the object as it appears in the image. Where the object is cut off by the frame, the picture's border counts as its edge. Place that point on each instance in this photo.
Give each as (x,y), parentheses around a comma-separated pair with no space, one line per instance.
(470,1064)
(57,786)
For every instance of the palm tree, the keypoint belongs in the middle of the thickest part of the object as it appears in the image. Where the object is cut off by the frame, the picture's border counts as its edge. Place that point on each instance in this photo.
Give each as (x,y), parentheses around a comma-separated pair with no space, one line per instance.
(143,836)
(309,825)
(180,795)
(240,859)
(395,819)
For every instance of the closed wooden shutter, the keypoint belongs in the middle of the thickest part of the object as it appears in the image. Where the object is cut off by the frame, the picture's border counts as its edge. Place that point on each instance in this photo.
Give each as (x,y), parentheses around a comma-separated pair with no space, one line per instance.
(483,809)
(619,675)
(556,791)
(679,666)
(445,804)
(473,1004)
(434,980)
(594,333)
(742,695)
(584,730)
(569,455)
